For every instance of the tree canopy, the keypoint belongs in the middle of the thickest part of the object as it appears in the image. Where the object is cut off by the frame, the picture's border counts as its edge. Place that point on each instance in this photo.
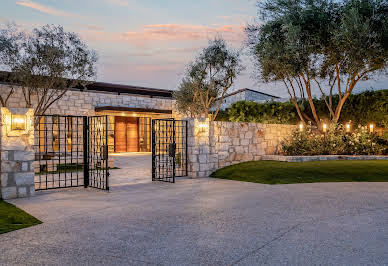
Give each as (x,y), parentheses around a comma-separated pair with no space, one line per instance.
(46,63)
(207,80)
(324,43)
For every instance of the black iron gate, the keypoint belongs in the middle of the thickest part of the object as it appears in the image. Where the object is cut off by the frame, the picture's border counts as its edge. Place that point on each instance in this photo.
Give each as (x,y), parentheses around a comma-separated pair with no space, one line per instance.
(71,151)
(169,149)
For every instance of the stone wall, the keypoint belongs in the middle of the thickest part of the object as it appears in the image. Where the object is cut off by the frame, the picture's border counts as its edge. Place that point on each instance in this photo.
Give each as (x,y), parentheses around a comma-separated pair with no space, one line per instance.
(17,155)
(240,142)
(83,103)
(213,145)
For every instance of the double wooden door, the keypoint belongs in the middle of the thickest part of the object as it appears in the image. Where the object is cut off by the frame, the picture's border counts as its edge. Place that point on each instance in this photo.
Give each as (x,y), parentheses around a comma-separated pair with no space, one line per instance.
(126,134)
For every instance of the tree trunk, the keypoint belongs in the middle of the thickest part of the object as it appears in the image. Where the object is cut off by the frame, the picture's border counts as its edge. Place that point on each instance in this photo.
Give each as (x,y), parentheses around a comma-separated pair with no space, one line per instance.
(298,110)
(310,99)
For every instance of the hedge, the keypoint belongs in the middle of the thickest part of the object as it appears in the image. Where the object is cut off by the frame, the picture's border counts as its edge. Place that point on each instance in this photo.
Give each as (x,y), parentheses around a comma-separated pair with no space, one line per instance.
(363,108)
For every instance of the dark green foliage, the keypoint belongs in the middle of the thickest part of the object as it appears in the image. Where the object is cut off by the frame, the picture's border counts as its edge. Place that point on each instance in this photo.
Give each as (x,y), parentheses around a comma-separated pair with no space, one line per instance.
(324,43)
(363,108)
(12,218)
(271,172)
(271,112)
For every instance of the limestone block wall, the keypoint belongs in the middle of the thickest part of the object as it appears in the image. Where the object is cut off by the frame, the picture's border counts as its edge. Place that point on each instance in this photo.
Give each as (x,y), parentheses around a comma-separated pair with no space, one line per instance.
(77,102)
(17,155)
(213,145)
(240,142)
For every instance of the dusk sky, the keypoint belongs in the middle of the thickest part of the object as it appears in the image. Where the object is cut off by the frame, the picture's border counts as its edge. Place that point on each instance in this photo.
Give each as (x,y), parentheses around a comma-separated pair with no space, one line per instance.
(147,42)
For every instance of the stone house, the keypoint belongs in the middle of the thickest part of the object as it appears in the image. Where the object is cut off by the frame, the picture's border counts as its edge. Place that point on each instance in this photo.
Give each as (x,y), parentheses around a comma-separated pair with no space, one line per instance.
(249,95)
(130,110)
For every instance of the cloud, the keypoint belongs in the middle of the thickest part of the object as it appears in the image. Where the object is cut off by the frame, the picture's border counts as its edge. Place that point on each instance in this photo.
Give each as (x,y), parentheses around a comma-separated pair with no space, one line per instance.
(45,9)
(177,32)
(94,28)
(149,34)
(118,2)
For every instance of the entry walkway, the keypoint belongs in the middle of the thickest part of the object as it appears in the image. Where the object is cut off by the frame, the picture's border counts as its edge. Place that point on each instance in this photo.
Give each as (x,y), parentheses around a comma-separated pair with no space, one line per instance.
(135,168)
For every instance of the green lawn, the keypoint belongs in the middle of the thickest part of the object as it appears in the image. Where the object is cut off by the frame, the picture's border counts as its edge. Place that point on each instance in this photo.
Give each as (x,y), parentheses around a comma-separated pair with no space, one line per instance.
(273,172)
(12,218)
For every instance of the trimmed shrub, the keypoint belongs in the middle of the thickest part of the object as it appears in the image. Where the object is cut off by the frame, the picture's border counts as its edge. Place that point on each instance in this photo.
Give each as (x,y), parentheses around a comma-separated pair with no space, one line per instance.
(335,142)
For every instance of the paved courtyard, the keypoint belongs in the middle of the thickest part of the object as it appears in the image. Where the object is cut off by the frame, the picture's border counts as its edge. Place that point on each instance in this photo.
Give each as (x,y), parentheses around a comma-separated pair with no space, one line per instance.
(135,168)
(206,222)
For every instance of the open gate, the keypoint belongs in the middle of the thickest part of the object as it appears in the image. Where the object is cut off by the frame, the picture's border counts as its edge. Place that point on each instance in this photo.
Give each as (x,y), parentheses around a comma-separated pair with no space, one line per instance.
(169,149)
(71,151)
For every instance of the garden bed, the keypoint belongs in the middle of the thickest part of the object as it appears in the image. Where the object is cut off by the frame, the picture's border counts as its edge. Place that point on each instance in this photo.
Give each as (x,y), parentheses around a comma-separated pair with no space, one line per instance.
(300,158)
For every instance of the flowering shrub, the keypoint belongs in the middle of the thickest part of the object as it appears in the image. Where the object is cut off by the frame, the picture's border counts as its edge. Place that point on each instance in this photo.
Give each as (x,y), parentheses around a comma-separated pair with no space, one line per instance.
(336,141)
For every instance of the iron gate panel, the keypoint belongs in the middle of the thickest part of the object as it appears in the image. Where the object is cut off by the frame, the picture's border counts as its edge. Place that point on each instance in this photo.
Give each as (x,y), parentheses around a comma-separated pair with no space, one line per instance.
(169,149)
(66,152)
(97,174)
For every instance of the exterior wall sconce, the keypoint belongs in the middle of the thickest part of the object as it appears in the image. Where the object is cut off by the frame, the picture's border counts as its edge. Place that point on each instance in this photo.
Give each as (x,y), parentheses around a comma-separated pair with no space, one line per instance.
(324,128)
(202,127)
(18,122)
(371,128)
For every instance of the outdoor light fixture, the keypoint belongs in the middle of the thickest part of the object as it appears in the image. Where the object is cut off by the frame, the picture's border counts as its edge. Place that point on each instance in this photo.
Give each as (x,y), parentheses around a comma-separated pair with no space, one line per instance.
(18,122)
(301,127)
(324,128)
(347,127)
(201,127)
(371,128)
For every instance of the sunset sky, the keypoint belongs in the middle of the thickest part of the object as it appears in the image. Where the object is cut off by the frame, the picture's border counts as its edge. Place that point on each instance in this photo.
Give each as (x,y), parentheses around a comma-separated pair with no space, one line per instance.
(147,42)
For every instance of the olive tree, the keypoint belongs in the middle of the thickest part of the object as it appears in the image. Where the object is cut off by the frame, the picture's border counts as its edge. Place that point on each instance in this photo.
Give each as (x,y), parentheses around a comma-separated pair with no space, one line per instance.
(207,80)
(10,40)
(326,44)
(47,63)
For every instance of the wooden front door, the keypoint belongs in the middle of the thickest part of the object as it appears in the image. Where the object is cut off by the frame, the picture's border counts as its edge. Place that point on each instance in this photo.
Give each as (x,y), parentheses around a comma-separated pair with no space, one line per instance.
(126,134)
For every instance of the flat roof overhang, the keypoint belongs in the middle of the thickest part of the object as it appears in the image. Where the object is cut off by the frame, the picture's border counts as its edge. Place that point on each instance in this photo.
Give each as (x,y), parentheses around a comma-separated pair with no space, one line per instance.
(130,109)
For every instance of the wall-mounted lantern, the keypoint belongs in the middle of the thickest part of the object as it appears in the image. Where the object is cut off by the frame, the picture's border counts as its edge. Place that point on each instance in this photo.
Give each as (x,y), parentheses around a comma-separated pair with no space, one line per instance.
(18,122)
(202,127)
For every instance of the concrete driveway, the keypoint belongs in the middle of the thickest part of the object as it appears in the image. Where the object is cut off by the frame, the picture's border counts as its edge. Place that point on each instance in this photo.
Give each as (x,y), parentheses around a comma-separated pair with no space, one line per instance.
(135,168)
(205,222)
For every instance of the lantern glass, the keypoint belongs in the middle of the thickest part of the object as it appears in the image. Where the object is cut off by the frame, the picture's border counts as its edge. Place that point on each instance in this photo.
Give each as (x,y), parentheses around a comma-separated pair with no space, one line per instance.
(371,128)
(301,127)
(18,122)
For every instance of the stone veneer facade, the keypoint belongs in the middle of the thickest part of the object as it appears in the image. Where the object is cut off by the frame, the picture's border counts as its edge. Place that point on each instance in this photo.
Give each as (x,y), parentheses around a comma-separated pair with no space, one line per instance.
(17,155)
(77,102)
(213,145)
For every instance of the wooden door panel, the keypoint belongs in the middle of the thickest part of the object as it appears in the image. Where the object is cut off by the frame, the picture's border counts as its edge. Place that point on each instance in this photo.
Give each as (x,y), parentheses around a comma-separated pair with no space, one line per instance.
(120,134)
(132,134)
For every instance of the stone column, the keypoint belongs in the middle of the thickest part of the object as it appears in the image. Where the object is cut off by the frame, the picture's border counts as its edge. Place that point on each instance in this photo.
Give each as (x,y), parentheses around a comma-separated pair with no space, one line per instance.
(17,154)
(200,160)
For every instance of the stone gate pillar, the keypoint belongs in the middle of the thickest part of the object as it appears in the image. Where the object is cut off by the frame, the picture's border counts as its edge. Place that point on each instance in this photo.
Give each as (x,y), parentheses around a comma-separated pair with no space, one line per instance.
(17,154)
(200,160)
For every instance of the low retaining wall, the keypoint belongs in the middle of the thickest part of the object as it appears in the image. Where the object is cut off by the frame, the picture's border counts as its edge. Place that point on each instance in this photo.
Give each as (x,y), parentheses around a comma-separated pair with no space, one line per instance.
(321,158)
(213,145)
(234,143)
